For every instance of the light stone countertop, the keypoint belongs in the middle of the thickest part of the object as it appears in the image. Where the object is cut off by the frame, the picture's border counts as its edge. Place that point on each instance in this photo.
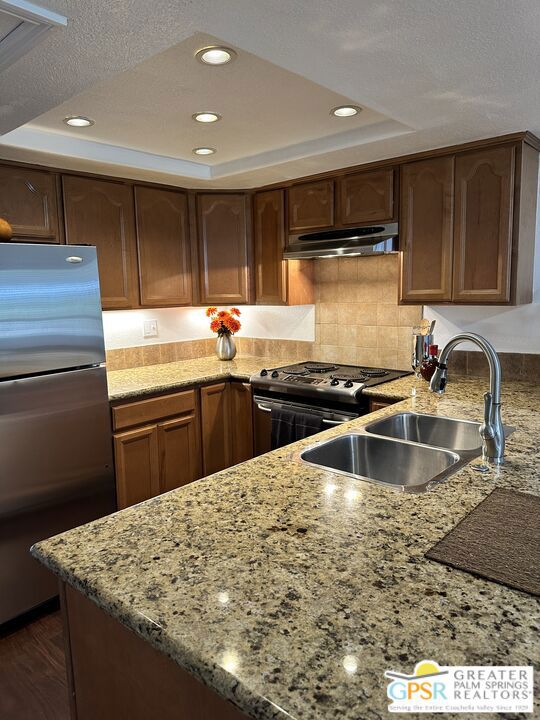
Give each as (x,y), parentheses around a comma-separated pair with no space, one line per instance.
(152,379)
(267,579)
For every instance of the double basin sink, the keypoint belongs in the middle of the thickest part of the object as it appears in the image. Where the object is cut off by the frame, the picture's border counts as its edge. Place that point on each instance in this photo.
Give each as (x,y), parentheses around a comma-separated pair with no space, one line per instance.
(407,451)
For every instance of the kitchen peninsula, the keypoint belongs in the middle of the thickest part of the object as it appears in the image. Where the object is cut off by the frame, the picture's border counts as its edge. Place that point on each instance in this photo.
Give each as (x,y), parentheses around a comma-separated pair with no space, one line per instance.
(274,584)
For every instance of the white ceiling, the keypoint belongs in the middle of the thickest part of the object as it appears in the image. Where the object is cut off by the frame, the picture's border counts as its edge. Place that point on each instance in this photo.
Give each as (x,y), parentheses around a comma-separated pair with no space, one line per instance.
(428,72)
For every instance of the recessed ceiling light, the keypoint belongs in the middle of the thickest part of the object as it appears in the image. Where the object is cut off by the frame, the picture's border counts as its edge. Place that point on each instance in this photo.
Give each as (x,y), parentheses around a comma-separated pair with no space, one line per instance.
(345,110)
(206,117)
(78,121)
(215,55)
(204,151)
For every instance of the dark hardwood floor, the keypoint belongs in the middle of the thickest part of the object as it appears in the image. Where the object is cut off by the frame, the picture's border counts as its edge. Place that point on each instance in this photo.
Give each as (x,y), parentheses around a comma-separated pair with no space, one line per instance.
(32,668)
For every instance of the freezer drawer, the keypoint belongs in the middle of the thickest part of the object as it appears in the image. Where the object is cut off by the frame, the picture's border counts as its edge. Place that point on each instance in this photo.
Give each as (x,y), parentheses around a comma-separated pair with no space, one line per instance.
(56,472)
(50,309)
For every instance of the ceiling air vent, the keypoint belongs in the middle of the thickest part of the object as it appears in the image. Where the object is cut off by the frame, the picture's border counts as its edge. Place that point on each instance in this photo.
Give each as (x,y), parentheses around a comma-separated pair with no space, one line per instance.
(22,25)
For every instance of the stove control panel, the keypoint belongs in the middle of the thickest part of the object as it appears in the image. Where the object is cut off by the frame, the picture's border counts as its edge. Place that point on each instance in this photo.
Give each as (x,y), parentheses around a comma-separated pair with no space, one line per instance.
(305,380)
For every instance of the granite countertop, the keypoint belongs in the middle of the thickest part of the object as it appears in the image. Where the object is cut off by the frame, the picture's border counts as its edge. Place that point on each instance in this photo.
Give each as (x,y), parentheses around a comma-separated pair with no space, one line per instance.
(290,590)
(152,379)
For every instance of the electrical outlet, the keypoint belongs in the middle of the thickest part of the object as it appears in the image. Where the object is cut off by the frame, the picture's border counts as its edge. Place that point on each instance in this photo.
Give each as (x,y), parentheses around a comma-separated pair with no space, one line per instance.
(150,328)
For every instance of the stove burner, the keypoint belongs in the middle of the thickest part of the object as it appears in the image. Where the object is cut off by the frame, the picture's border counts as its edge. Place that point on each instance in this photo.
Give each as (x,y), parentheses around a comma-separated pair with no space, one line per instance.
(300,371)
(320,367)
(374,372)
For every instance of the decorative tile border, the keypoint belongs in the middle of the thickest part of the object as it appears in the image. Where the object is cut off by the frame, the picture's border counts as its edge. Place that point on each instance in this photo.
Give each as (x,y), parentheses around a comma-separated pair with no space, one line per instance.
(157,354)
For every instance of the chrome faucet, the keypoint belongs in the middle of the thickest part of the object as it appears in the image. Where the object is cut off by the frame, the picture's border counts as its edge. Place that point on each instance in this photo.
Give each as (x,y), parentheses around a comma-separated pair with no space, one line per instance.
(491,430)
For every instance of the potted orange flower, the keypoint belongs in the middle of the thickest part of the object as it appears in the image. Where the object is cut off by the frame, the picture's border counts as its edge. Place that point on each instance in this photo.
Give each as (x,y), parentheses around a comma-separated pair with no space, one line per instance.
(225,323)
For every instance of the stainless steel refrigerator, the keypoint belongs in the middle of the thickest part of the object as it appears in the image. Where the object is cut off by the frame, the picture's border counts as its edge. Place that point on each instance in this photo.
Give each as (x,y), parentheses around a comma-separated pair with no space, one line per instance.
(56,464)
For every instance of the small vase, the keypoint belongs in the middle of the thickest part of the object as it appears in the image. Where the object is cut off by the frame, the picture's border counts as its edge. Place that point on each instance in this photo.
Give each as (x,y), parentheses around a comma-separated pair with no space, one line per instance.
(225,347)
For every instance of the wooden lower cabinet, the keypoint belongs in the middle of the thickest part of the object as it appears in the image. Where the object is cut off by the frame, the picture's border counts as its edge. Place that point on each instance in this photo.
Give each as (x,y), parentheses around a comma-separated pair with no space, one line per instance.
(227,425)
(114,674)
(161,454)
(179,452)
(137,465)
(167,441)
(378,404)
(241,422)
(216,427)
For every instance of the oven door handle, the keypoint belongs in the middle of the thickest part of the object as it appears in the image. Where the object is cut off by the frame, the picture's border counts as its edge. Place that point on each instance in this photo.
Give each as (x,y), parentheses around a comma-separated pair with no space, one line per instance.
(325,421)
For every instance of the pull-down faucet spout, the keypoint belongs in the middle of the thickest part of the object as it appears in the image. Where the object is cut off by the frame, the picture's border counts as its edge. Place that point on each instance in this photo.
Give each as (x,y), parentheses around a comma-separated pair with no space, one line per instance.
(491,430)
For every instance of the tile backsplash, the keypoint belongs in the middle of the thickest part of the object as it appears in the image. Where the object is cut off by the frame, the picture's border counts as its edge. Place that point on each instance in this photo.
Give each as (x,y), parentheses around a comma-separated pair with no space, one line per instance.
(358,319)
(120,359)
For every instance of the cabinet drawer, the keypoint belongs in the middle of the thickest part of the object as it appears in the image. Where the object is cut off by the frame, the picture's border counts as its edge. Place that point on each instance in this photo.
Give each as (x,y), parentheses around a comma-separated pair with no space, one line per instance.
(143,411)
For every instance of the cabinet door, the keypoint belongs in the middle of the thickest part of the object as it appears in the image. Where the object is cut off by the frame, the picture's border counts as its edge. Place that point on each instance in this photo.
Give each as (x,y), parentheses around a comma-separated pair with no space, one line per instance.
(375,404)
(28,203)
(216,428)
(163,244)
(269,234)
(483,227)
(224,252)
(426,229)
(311,205)
(137,465)
(241,422)
(367,197)
(179,451)
(101,213)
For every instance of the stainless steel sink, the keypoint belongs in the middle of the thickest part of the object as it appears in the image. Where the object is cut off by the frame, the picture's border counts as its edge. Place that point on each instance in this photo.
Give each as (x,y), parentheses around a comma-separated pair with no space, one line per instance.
(461,436)
(399,464)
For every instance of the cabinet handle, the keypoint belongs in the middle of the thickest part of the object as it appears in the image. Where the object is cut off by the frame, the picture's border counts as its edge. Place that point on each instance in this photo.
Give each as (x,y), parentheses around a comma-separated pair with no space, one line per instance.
(74,259)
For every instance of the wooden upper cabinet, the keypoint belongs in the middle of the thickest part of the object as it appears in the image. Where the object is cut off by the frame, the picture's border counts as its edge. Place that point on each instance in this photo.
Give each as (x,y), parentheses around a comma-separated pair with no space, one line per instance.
(224,230)
(164,247)
(311,205)
(426,230)
(278,281)
(483,226)
(28,203)
(269,237)
(367,197)
(101,213)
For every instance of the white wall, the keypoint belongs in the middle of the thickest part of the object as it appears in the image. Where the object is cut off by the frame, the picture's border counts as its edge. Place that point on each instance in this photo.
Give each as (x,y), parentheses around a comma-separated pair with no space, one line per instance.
(510,329)
(124,328)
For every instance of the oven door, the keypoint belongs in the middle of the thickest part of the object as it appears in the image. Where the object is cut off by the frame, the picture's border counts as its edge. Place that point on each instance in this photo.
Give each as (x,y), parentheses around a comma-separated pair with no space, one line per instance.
(262,418)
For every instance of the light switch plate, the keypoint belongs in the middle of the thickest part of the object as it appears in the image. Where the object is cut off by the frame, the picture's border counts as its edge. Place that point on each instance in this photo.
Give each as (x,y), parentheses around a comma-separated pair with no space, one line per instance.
(150,328)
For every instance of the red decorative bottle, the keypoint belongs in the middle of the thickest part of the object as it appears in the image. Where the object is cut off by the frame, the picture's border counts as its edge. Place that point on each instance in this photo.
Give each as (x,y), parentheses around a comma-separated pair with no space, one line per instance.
(428,366)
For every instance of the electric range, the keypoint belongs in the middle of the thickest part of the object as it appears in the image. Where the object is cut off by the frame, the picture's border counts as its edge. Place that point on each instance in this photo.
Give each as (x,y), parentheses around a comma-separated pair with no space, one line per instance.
(324,384)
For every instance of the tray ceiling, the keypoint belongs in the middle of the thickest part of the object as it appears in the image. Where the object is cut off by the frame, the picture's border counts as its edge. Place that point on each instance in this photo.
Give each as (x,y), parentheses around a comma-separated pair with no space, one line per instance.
(426,76)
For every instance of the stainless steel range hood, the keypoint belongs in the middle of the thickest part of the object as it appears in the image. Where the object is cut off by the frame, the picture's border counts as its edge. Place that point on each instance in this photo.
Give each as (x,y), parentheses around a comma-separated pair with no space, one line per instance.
(365,240)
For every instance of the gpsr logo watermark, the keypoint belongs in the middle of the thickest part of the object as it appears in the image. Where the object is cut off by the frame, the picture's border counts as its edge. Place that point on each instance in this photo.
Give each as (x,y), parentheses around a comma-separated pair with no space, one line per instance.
(435,688)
